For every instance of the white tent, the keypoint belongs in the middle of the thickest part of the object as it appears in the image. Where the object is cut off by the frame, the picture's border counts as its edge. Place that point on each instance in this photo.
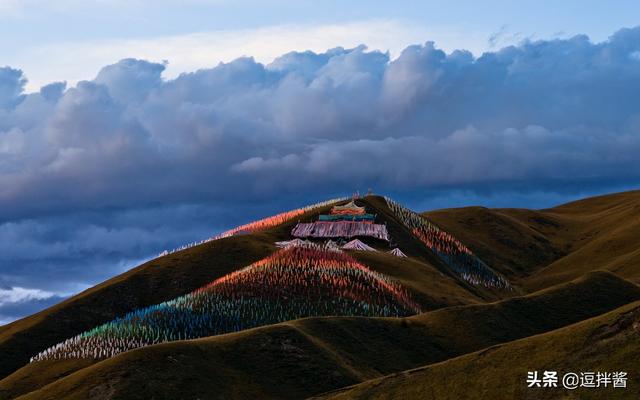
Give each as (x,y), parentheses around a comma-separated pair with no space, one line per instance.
(289,243)
(356,244)
(397,252)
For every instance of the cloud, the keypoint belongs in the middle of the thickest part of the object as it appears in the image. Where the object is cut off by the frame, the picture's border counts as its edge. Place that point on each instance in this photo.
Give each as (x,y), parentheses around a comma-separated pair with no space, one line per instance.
(18,295)
(504,36)
(16,302)
(202,50)
(12,84)
(107,172)
(129,81)
(549,110)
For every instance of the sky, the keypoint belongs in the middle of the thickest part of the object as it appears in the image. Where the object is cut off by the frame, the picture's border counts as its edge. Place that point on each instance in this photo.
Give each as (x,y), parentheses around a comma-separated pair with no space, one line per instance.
(130,127)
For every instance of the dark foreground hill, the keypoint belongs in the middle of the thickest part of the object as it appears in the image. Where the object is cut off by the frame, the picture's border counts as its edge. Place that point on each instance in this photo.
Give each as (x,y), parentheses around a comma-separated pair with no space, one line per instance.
(309,356)
(610,342)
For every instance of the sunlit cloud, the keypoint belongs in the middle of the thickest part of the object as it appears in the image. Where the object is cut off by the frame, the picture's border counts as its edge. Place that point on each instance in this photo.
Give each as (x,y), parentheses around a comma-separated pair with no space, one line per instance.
(189,52)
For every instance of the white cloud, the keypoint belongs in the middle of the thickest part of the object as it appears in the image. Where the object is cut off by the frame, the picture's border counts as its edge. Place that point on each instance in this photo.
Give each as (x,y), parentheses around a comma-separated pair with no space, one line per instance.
(75,61)
(17,301)
(20,294)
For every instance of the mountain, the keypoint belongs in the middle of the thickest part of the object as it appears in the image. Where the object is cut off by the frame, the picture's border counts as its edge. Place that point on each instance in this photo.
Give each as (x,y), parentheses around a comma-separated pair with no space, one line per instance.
(476,277)
(179,273)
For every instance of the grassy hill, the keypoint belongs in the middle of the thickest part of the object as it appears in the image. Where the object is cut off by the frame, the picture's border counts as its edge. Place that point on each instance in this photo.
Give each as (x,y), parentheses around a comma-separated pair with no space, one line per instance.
(609,238)
(540,248)
(150,283)
(305,357)
(609,343)
(517,242)
(164,278)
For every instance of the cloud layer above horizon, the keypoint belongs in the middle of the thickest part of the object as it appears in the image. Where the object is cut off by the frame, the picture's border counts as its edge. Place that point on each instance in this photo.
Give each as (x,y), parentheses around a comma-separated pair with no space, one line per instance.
(100,175)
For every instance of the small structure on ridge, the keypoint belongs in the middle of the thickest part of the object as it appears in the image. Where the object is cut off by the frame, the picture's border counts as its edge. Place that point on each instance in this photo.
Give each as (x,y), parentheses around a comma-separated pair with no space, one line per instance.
(397,252)
(356,244)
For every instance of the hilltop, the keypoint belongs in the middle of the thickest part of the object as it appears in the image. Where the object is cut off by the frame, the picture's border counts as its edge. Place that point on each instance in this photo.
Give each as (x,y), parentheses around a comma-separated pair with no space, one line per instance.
(539,248)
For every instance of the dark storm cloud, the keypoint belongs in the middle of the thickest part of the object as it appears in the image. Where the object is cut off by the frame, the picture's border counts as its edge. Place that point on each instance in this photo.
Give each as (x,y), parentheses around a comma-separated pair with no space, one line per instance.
(98,176)
(88,246)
